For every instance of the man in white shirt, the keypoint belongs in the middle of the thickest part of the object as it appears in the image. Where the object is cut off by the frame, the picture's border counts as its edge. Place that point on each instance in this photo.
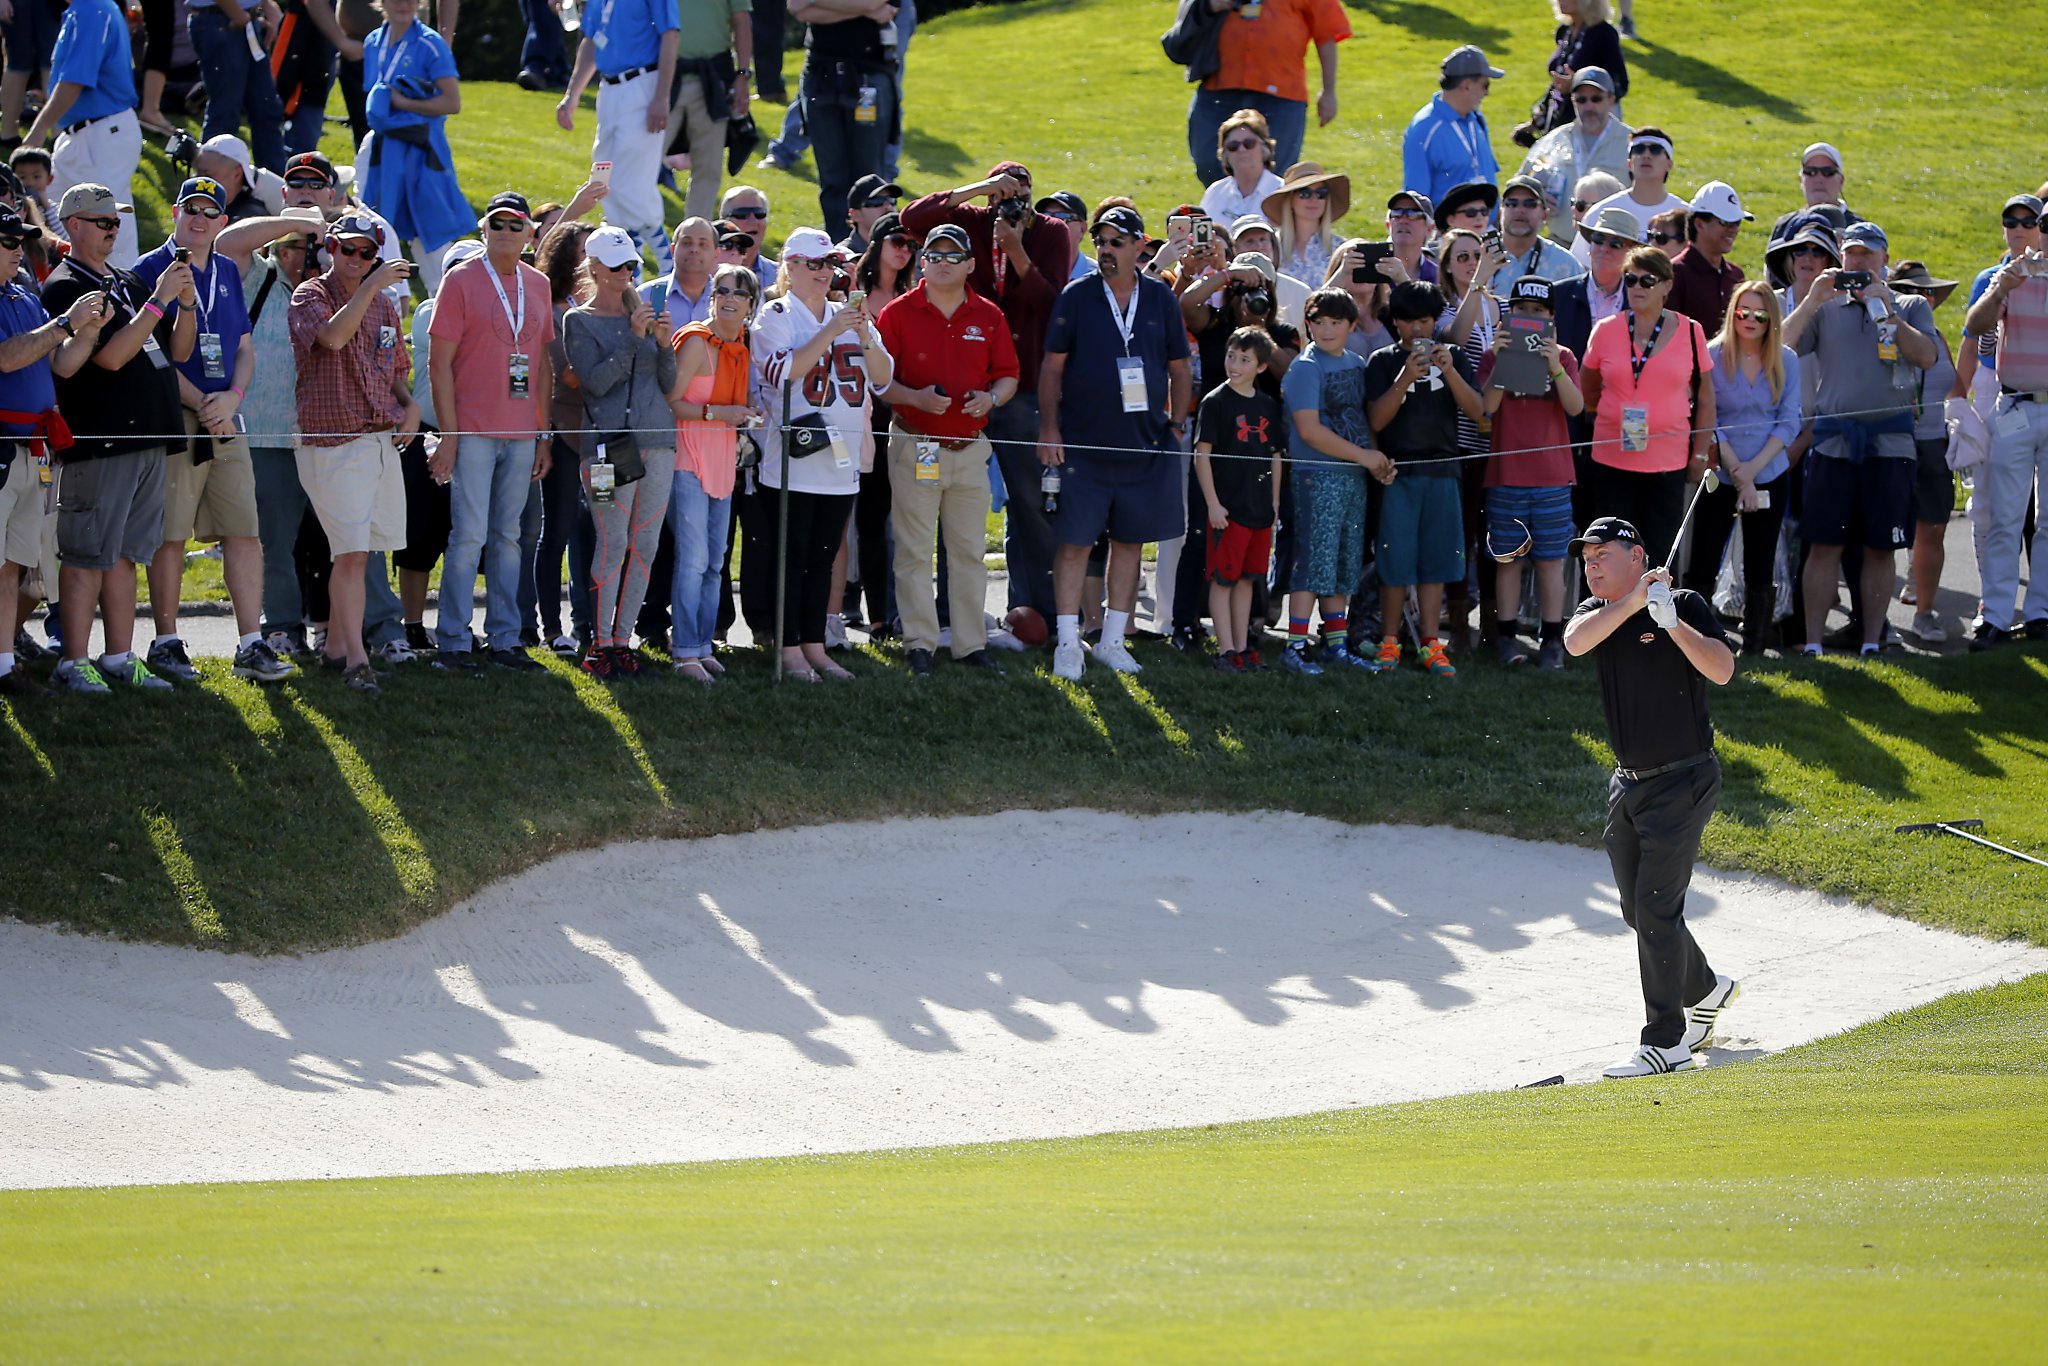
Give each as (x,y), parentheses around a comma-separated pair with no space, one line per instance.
(1650,158)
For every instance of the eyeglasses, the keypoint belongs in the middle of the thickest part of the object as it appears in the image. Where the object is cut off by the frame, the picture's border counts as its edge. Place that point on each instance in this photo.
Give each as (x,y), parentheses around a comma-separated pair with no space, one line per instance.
(506,224)
(731,292)
(1801,253)
(1631,280)
(1595,98)
(946,258)
(1661,239)
(1581,205)
(11,244)
(1644,149)
(809,262)
(1406,213)
(2028,223)
(1521,204)
(306,183)
(103,224)
(1116,243)
(362,253)
(629,267)
(1313,192)
(1602,242)
(1752,315)
(745,213)
(1819,172)
(196,209)
(1458,258)
(899,240)
(1468,211)
(1063,215)
(880,201)
(1242,144)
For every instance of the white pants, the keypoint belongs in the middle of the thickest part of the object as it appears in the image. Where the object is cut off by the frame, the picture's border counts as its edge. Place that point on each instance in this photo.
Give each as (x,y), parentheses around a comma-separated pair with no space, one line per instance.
(2018,467)
(103,152)
(635,154)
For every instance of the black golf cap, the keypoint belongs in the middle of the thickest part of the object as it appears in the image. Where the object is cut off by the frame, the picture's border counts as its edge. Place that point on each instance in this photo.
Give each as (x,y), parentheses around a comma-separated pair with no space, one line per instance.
(1602,531)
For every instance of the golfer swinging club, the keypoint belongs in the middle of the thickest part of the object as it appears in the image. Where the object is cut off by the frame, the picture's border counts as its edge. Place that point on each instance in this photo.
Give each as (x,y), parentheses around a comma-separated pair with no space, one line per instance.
(1655,650)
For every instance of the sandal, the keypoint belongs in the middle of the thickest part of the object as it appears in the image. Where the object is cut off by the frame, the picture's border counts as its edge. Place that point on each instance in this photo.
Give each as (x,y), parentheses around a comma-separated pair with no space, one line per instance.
(835,673)
(693,669)
(712,666)
(802,675)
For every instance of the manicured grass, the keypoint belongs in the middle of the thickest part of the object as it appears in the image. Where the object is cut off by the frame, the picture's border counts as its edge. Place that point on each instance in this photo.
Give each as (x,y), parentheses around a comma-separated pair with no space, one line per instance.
(1878,1196)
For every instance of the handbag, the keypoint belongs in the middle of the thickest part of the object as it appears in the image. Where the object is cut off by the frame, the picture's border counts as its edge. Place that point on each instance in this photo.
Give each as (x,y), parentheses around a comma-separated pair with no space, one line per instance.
(807,434)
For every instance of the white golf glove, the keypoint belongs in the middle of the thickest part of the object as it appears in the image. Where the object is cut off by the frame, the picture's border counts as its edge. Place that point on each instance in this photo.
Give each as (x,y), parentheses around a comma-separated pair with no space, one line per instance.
(1663,610)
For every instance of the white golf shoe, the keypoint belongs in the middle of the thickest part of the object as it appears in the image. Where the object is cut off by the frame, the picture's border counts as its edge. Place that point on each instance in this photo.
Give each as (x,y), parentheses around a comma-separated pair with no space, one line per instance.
(1067,663)
(1649,1061)
(1700,1020)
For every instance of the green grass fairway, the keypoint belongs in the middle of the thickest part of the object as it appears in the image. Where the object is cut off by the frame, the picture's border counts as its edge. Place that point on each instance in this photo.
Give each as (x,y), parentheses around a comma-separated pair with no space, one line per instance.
(1878,1196)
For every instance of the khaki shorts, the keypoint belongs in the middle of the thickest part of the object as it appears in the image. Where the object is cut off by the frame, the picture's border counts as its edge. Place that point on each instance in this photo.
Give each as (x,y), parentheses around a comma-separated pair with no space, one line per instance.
(21,513)
(211,499)
(357,491)
(111,509)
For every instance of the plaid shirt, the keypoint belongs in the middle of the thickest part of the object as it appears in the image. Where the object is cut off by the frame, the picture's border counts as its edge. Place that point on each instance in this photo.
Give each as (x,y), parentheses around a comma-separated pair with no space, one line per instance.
(345,393)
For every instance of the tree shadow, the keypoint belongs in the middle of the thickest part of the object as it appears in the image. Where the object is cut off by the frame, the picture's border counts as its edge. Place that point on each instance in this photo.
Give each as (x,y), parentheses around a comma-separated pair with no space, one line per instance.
(1435,23)
(1712,83)
(936,155)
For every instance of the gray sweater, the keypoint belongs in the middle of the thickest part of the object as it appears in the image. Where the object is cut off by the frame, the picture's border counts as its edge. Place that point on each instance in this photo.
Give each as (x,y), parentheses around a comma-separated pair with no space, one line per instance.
(602,350)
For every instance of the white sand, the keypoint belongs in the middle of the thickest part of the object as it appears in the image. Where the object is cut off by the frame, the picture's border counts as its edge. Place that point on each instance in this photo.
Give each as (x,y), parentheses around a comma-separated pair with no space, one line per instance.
(899,983)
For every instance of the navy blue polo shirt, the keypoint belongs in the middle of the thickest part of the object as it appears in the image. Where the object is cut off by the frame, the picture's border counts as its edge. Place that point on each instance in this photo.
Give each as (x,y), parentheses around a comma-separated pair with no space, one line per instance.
(1085,331)
(221,310)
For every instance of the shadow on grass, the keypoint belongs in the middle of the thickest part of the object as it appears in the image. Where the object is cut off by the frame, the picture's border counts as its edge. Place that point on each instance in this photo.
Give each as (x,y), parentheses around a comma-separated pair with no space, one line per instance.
(1713,84)
(1435,23)
(936,155)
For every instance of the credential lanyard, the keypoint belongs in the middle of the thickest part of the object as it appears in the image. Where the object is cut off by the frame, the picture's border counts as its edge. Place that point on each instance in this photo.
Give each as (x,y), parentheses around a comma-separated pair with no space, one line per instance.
(518,324)
(1636,362)
(1470,137)
(393,57)
(1126,318)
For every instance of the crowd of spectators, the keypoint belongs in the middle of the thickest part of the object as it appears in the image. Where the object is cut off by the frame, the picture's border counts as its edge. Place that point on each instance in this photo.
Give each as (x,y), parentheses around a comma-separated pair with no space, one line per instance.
(1328,430)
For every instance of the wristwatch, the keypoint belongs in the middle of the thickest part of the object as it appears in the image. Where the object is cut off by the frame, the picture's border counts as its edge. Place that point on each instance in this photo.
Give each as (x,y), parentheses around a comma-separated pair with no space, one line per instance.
(742,73)
(65,323)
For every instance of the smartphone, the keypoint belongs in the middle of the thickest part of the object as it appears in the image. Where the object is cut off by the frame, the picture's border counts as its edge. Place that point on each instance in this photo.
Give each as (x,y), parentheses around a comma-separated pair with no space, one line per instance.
(1369,255)
(1203,230)
(1852,279)
(181,253)
(1181,221)
(600,173)
(857,299)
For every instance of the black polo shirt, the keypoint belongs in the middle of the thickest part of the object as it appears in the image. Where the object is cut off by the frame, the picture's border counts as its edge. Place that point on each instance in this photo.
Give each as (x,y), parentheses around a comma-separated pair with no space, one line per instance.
(1656,701)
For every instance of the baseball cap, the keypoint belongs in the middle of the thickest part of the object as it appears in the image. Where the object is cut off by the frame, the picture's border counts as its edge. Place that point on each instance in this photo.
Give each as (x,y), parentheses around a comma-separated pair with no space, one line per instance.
(1016,170)
(610,246)
(1066,201)
(950,233)
(235,150)
(315,163)
(1615,221)
(1416,198)
(12,225)
(1253,222)
(89,198)
(460,250)
(356,225)
(1534,288)
(203,187)
(1717,199)
(869,188)
(1478,191)
(1469,61)
(1867,235)
(888,224)
(1821,149)
(2031,203)
(1596,76)
(732,238)
(1602,531)
(1256,260)
(1123,218)
(1526,182)
(810,244)
(509,201)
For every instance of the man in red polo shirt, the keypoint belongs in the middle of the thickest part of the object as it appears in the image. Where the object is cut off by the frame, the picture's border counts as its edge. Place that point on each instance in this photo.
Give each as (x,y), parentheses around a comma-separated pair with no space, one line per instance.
(955,364)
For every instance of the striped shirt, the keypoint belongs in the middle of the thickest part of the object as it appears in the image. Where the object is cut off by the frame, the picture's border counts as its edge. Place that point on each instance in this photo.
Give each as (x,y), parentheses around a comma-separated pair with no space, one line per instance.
(2023,336)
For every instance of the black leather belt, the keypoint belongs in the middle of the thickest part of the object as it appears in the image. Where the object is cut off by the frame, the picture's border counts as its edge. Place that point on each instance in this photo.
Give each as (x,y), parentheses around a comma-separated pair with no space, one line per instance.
(2025,395)
(74,127)
(1636,775)
(624,76)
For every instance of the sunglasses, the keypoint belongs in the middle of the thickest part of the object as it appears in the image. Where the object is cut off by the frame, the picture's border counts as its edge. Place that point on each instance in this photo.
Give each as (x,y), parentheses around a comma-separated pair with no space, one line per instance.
(306,183)
(1631,280)
(11,243)
(1063,216)
(506,224)
(1752,315)
(1820,172)
(731,292)
(1663,238)
(1804,252)
(1645,149)
(1598,241)
(1313,192)
(1468,211)
(1406,213)
(1581,205)
(2029,224)
(629,267)
(195,209)
(103,224)
(1589,99)
(809,262)
(880,201)
(1520,204)
(745,213)
(1116,243)
(899,240)
(363,253)
(1242,144)
(946,258)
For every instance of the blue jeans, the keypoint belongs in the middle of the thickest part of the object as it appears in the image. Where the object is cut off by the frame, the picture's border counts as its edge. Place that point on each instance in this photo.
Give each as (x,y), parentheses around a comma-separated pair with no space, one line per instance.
(1287,119)
(487,499)
(543,52)
(790,146)
(237,85)
(383,617)
(280,507)
(699,524)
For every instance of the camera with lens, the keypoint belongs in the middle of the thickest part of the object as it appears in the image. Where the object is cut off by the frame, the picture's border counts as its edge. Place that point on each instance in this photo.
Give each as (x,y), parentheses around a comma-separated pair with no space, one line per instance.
(1014,210)
(1256,300)
(1852,279)
(182,148)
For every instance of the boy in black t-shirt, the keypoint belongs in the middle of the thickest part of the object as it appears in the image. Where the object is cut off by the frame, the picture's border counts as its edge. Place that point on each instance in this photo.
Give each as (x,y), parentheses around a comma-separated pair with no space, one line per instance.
(1239,425)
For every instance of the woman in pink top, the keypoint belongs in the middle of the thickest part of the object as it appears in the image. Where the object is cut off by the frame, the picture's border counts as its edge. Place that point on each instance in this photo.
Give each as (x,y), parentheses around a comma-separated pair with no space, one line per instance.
(711,401)
(1643,379)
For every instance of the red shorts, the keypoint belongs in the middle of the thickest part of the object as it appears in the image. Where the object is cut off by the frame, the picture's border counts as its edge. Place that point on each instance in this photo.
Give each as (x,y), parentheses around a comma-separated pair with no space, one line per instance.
(1238,552)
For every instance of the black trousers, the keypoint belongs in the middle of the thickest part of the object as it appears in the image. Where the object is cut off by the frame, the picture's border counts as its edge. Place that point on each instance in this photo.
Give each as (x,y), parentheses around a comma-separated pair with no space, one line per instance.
(1654,502)
(1710,528)
(817,527)
(871,517)
(1652,838)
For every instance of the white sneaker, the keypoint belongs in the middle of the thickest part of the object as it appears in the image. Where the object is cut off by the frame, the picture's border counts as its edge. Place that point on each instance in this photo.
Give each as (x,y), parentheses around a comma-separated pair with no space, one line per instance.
(396,652)
(565,647)
(1067,662)
(1649,1061)
(1700,1020)
(1117,655)
(1003,640)
(1927,626)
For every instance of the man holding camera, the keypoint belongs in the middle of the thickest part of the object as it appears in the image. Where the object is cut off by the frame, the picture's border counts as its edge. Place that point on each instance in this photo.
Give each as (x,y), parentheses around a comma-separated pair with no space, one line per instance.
(1869,344)
(354,407)
(91,109)
(493,394)
(210,486)
(1021,260)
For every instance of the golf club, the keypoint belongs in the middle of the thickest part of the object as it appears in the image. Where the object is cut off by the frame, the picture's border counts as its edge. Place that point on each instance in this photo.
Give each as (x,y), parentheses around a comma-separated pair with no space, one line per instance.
(1709,481)
(1962,828)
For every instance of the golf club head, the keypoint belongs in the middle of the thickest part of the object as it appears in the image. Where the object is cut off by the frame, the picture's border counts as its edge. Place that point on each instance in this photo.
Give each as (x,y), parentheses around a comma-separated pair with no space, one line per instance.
(1711,480)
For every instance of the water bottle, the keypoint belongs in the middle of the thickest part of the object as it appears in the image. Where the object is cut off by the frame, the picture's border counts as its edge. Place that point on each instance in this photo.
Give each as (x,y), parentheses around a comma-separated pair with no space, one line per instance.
(1049,487)
(572,16)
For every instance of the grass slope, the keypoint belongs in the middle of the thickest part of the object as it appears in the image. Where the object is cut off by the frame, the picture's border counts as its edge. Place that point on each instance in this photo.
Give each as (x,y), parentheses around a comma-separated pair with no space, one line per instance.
(1877,1196)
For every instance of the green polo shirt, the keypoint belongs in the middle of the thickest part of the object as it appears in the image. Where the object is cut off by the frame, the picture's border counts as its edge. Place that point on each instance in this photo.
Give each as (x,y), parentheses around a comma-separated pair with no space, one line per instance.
(706,28)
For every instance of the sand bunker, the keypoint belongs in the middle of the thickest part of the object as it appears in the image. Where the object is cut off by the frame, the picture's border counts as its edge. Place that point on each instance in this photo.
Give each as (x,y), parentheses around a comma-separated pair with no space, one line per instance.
(899,983)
